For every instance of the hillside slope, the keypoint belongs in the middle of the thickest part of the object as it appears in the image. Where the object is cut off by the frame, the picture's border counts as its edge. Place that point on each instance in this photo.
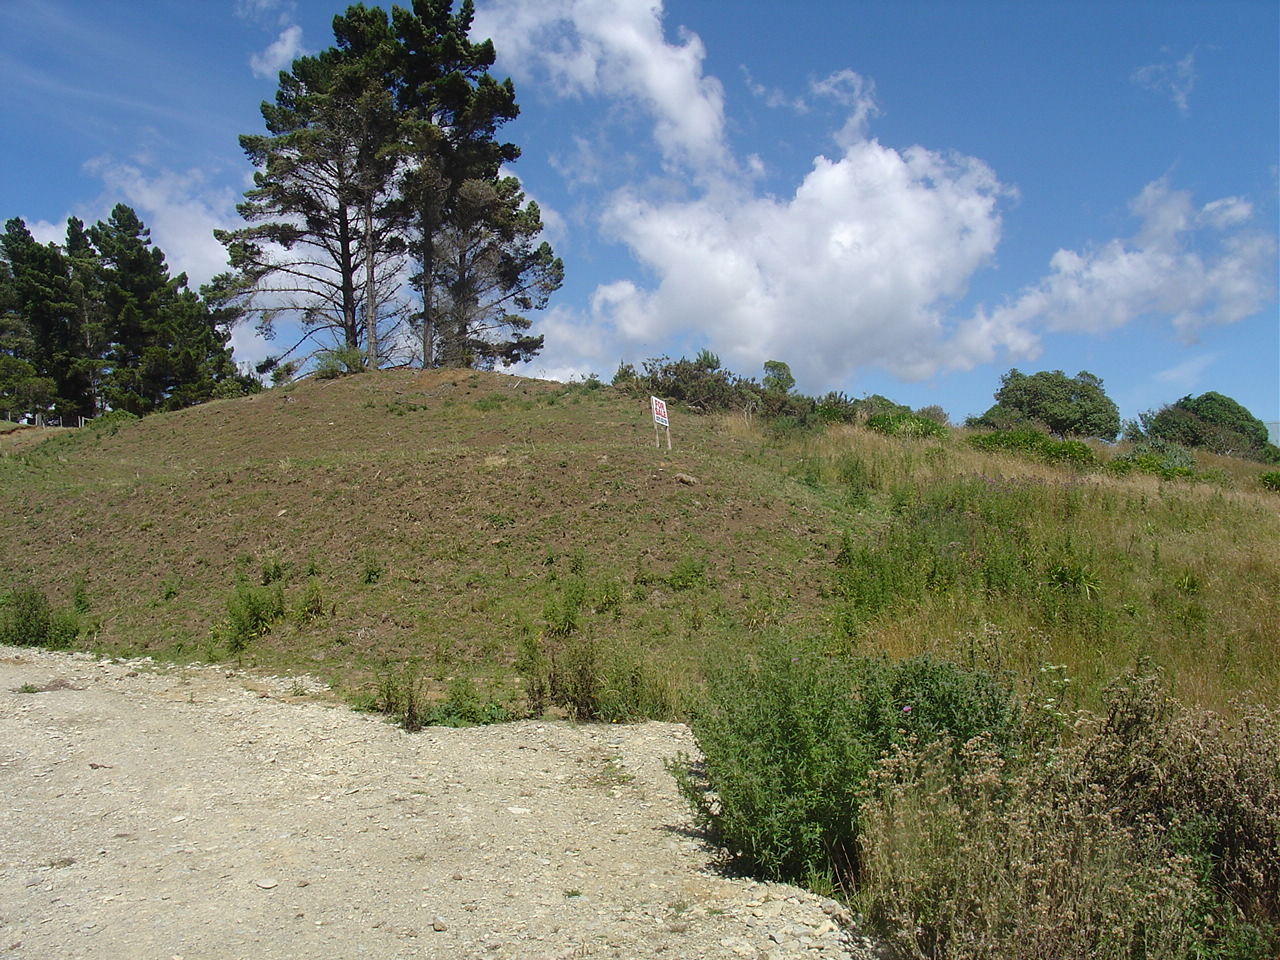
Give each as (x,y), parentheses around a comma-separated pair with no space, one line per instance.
(437,514)
(454,524)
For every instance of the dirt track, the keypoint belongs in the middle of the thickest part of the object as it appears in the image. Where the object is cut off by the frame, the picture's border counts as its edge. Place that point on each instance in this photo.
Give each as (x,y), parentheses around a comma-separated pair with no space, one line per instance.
(182,813)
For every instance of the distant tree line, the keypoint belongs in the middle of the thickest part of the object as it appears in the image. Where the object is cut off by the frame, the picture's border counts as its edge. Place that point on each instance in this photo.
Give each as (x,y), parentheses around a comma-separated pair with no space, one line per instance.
(1048,401)
(98,323)
(381,217)
(704,384)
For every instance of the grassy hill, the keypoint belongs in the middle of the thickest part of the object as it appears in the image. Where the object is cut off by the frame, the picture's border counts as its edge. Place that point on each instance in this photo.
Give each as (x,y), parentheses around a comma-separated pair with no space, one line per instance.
(458,518)
(438,514)
(932,676)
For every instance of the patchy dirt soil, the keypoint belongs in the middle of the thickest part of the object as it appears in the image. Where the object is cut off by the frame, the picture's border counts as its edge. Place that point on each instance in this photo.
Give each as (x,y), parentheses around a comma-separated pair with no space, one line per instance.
(187,812)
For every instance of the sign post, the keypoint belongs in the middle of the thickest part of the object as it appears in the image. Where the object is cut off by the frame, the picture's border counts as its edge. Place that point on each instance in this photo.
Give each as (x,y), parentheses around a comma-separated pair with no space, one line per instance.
(660,420)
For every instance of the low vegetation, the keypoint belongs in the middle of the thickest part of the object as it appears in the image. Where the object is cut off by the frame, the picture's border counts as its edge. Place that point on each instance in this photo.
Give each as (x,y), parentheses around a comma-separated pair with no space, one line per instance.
(995,688)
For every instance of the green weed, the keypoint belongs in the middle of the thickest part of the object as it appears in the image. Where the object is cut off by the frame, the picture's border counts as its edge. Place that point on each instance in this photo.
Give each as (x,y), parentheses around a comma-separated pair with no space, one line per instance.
(28,619)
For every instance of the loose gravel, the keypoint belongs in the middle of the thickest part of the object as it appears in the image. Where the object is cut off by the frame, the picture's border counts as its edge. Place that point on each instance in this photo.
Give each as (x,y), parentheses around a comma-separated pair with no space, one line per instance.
(189,812)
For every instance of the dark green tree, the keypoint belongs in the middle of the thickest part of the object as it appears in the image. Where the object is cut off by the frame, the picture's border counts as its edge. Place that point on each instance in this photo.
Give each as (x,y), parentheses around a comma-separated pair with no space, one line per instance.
(1068,406)
(166,348)
(1211,421)
(22,389)
(489,273)
(86,296)
(777,377)
(479,267)
(381,146)
(39,297)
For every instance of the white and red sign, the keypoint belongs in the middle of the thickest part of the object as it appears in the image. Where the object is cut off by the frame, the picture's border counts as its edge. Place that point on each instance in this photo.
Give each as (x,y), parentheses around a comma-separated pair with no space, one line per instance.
(659,411)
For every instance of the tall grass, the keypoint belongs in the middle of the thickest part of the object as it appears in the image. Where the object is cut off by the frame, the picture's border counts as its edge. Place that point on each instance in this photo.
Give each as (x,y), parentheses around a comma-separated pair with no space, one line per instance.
(944,542)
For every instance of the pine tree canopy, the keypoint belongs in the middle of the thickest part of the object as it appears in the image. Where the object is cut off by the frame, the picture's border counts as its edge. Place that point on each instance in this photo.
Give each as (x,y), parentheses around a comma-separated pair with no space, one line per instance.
(382,218)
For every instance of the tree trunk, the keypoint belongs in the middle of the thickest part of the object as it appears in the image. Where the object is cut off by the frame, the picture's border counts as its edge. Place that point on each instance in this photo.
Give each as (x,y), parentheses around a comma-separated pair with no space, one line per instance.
(428,309)
(370,306)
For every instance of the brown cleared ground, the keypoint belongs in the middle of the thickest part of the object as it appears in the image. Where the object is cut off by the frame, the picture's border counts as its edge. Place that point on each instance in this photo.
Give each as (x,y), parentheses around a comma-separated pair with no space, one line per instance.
(466,498)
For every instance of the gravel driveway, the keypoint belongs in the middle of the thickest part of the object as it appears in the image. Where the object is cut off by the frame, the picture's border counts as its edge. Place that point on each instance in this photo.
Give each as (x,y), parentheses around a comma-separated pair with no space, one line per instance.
(189,812)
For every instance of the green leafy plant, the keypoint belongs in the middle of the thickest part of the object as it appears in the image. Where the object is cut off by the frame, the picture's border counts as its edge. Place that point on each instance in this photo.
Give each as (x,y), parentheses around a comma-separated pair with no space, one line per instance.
(687,574)
(906,425)
(28,619)
(789,738)
(311,605)
(1037,445)
(251,611)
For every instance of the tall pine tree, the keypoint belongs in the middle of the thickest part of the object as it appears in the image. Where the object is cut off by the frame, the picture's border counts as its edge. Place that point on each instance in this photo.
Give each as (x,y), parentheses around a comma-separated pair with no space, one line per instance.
(166,349)
(473,231)
(324,244)
(380,146)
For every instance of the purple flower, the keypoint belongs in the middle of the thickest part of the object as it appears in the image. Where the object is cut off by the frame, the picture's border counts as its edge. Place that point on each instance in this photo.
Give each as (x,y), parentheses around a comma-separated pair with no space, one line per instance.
(907,708)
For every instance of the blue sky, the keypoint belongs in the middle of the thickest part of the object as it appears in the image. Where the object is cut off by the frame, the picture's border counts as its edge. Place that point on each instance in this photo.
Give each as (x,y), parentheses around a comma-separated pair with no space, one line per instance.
(904,198)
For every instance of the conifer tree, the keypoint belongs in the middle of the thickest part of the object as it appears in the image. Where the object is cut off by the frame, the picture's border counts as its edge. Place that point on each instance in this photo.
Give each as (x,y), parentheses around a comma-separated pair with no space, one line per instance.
(324,243)
(40,299)
(165,348)
(474,234)
(382,146)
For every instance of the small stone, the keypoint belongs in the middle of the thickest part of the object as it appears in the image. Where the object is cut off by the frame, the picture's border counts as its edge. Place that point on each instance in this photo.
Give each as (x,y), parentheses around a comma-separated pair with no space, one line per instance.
(438,925)
(455,876)
(266,883)
(686,478)
(518,810)
(678,926)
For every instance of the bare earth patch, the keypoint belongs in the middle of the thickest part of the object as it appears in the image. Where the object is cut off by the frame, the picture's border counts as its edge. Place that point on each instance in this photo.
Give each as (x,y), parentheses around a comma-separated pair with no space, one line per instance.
(165,813)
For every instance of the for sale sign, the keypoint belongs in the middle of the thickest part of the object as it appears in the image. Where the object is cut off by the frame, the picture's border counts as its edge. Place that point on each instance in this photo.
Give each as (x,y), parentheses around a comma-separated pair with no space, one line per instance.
(659,412)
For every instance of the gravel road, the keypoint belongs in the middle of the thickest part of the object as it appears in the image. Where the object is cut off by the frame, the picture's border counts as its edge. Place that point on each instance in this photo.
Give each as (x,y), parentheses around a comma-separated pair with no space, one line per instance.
(166,812)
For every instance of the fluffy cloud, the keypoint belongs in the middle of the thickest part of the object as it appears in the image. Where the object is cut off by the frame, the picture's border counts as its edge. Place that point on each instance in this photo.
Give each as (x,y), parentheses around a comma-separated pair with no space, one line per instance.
(616,48)
(1195,267)
(854,269)
(865,262)
(282,52)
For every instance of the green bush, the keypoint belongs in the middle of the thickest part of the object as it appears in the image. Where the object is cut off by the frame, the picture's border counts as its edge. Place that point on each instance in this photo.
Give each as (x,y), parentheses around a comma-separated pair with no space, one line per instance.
(1160,458)
(251,610)
(331,364)
(1039,446)
(789,738)
(463,707)
(906,425)
(27,619)
(1150,831)
(687,574)
(311,606)
(591,681)
(1270,479)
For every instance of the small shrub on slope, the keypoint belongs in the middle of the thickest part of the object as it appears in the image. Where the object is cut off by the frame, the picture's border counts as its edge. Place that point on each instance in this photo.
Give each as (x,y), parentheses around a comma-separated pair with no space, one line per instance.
(789,739)
(1036,445)
(27,619)
(906,425)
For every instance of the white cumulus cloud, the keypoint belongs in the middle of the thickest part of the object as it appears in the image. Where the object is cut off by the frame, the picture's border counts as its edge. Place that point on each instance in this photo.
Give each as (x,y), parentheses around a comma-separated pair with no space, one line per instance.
(616,48)
(1194,267)
(865,261)
(280,54)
